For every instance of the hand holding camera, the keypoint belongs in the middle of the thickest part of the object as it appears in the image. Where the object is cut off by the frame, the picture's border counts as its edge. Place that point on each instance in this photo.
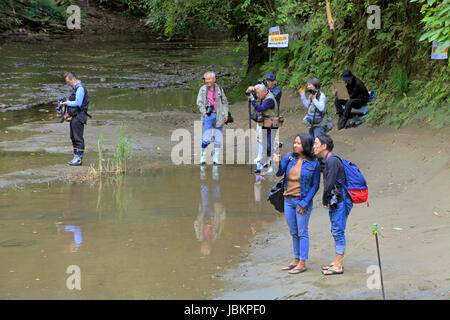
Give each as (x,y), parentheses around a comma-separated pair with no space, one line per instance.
(209,109)
(334,200)
(276,157)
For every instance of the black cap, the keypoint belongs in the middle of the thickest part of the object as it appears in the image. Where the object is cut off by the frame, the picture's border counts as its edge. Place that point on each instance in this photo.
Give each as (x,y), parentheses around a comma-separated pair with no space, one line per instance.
(347,75)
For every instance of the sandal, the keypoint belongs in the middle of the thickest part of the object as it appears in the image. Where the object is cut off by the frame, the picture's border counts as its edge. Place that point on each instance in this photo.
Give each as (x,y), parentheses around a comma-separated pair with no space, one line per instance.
(327,267)
(331,272)
(289,267)
(297,271)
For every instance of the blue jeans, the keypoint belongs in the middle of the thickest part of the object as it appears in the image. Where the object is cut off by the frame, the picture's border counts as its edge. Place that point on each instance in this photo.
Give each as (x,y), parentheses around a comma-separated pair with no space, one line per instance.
(314,132)
(209,123)
(338,219)
(298,226)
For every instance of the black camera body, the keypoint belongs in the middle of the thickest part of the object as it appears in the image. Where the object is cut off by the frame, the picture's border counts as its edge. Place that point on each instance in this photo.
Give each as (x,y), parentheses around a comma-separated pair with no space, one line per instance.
(62,110)
(334,200)
(313,91)
(264,82)
(61,100)
(253,93)
(209,109)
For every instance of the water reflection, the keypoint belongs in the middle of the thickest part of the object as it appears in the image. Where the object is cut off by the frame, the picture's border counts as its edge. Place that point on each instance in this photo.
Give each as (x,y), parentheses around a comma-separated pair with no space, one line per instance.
(70,215)
(212,213)
(257,186)
(164,234)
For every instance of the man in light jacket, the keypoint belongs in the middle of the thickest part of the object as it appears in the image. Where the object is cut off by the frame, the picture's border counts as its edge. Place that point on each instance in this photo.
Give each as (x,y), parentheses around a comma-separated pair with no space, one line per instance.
(213,106)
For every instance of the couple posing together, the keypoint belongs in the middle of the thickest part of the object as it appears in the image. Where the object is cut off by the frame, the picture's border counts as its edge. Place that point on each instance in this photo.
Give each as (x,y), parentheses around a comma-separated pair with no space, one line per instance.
(302,180)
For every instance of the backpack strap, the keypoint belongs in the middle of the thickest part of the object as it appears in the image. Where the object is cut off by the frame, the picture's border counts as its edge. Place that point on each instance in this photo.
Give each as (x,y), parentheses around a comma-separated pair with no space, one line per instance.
(337,179)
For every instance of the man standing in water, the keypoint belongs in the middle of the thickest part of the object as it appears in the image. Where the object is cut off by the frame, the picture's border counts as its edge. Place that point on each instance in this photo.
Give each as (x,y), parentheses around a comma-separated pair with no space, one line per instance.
(213,105)
(78,104)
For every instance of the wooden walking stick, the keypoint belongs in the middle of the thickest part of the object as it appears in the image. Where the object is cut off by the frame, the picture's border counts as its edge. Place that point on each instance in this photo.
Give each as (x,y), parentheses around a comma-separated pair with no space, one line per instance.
(375,233)
(250,128)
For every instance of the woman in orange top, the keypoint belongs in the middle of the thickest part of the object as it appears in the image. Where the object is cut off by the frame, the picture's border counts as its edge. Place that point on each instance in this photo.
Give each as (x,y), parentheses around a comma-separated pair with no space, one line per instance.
(302,180)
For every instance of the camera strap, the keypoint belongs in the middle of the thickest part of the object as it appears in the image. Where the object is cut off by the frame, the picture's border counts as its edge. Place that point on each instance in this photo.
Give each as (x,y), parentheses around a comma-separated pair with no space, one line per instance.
(214,94)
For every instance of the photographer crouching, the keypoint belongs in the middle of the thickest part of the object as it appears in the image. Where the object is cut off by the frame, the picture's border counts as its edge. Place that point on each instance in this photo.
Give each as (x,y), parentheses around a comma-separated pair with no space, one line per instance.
(265,135)
(213,105)
(77,107)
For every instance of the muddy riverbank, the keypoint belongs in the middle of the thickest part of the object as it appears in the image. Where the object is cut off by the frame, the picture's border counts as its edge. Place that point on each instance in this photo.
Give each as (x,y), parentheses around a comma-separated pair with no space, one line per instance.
(408,180)
(408,173)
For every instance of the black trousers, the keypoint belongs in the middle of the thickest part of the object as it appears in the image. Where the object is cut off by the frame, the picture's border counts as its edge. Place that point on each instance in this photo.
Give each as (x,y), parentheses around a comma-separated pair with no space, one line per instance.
(344,115)
(77,130)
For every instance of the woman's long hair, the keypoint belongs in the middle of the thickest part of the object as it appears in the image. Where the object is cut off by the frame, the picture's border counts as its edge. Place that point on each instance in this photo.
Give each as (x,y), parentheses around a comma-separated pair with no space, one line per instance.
(307,145)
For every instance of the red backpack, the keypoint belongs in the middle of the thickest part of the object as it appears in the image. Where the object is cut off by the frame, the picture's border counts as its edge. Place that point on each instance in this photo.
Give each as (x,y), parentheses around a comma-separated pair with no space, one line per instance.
(356,186)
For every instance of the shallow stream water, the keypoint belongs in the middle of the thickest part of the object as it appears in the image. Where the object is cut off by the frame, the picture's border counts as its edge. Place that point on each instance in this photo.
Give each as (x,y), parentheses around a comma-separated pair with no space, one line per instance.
(168,234)
(160,234)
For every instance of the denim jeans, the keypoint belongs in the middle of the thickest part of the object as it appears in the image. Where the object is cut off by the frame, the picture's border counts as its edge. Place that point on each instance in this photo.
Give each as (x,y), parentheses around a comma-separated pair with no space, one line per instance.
(316,131)
(298,226)
(209,123)
(338,219)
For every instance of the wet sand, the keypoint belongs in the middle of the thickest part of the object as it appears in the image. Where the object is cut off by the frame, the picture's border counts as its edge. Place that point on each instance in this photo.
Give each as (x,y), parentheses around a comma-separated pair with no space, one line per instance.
(408,173)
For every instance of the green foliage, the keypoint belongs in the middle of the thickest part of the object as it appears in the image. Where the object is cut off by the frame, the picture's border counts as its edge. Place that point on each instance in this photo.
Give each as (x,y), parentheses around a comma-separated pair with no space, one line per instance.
(178,18)
(391,61)
(37,14)
(436,21)
(123,150)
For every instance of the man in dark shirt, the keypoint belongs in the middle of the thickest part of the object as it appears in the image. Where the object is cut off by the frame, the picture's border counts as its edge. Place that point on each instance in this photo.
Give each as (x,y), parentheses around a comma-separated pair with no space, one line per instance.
(271,81)
(359,96)
(335,198)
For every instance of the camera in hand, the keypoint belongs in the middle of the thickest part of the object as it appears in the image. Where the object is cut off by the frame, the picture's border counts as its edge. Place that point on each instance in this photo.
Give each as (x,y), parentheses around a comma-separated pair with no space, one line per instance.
(313,91)
(253,93)
(209,109)
(62,110)
(334,200)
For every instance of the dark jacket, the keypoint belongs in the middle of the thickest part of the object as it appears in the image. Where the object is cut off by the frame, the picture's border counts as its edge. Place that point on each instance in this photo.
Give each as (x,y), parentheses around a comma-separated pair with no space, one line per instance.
(276,91)
(357,90)
(334,169)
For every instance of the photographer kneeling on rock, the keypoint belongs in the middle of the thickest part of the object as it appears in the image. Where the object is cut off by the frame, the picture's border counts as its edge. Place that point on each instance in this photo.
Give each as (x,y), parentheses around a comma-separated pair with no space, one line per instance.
(213,105)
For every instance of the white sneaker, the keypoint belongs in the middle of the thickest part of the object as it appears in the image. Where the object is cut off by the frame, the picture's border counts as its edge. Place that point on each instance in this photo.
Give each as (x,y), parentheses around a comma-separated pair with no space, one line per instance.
(216,156)
(203,157)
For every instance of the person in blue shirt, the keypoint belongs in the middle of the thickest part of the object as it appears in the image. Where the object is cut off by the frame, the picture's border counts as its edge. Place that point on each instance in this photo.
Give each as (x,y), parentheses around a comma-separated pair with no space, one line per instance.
(265,138)
(272,143)
(78,104)
(271,81)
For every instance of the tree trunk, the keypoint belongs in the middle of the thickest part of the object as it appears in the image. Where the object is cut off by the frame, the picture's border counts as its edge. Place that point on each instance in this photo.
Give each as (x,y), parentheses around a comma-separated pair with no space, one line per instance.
(257,48)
